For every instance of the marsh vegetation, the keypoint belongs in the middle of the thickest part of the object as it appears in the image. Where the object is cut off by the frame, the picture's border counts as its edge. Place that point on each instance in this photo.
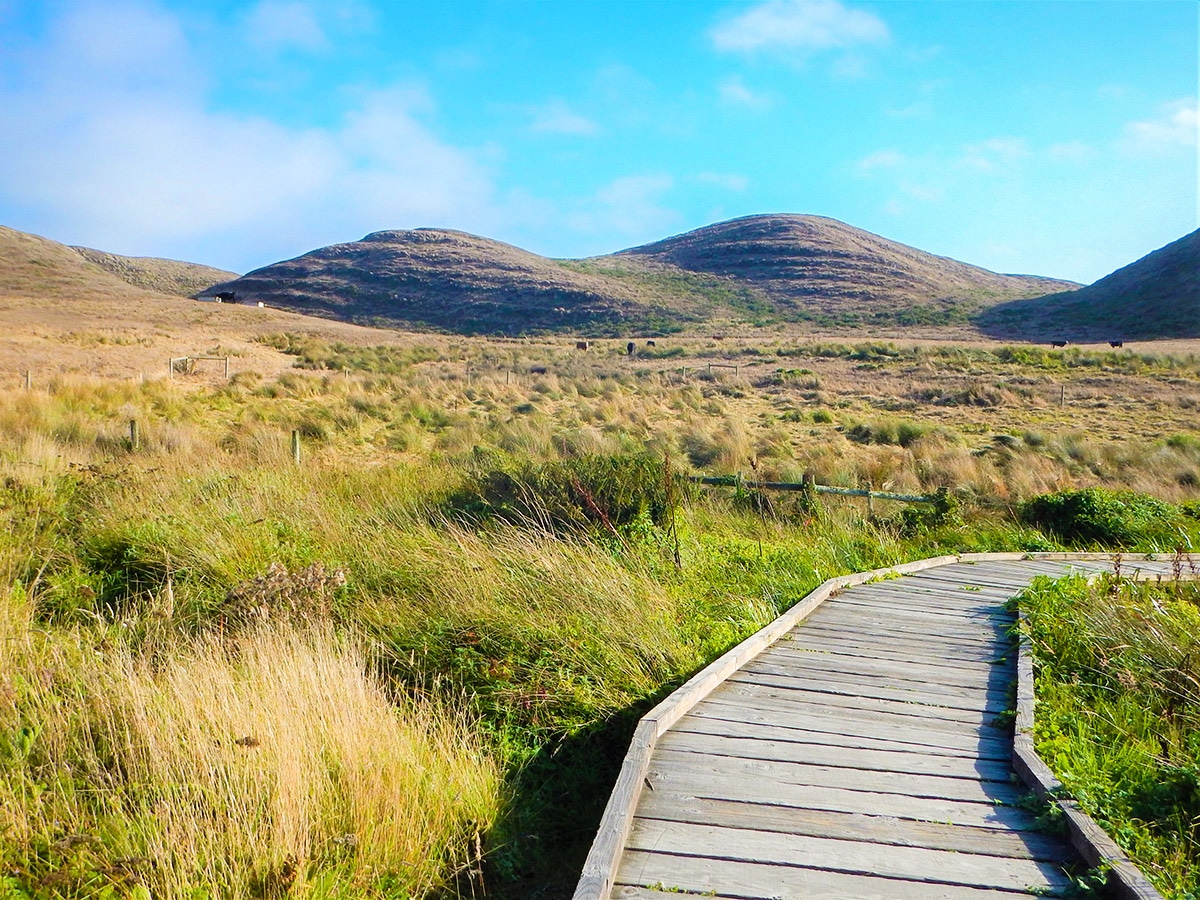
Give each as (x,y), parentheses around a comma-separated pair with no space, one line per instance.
(408,665)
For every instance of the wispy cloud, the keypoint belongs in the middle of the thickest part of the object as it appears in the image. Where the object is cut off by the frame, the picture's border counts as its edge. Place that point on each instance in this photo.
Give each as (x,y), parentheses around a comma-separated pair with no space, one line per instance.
(285,25)
(881,159)
(798,25)
(995,155)
(630,206)
(556,117)
(727,180)
(733,92)
(1070,152)
(1175,125)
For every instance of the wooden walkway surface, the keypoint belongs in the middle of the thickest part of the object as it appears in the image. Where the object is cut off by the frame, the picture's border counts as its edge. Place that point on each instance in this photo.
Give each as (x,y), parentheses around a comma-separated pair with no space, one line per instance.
(865,753)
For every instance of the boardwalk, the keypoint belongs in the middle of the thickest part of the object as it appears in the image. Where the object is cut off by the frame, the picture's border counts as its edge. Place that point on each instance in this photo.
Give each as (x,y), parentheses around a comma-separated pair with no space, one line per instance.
(866,753)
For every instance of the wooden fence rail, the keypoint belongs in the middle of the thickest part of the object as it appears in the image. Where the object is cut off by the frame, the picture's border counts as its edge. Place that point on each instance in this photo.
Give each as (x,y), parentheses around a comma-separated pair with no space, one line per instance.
(807,486)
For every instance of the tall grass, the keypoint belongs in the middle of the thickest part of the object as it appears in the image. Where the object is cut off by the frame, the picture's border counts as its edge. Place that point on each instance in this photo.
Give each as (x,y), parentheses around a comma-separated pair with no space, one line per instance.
(1118,714)
(528,634)
(275,764)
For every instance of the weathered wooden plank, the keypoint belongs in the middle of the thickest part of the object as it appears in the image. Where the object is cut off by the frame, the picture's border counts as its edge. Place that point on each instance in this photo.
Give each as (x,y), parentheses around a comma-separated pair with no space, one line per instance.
(868,759)
(854,826)
(850,857)
(830,732)
(853,723)
(909,682)
(785,700)
(797,706)
(816,635)
(981,678)
(751,881)
(961,601)
(853,608)
(899,621)
(890,654)
(673,766)
(748,789)
(943,697)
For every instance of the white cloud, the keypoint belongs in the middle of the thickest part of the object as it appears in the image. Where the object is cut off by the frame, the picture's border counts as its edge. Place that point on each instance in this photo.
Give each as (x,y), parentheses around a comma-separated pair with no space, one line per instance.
(556,117)
(630,206)
(995,155)
(1070,152)
(733,92)
(881,159)
(804,25)
(136,161)
(727,180)
(285,25)
(1176,125)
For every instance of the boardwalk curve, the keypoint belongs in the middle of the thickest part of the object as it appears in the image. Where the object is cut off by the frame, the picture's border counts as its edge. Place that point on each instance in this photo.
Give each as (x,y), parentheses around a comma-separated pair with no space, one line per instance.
(860,746)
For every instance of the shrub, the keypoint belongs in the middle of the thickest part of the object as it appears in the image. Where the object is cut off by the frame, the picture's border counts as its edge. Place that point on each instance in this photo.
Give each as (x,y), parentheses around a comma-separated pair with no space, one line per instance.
(1099,516)
(590,492)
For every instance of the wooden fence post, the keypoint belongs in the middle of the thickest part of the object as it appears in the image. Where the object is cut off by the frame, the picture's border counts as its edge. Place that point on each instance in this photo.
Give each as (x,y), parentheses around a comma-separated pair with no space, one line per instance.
(135,439)
(296,445)
(28,380)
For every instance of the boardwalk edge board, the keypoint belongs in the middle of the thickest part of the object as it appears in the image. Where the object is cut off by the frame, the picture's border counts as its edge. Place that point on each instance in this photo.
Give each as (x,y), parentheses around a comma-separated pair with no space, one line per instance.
(600,869)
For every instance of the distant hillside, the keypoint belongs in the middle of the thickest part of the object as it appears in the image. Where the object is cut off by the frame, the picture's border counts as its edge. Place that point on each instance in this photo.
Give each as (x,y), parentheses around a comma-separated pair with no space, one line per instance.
(813,267)
(760,269)
(33,266)
(444,279)
(167,276)
(1156,297)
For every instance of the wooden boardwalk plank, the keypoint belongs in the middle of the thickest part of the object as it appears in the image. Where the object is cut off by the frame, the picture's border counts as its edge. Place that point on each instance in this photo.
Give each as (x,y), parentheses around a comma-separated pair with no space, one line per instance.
(944,697)
(752,881)
(866,753)
(672,766)
(868,759)
(883,830)
(849,727)
(814,662)
(850,857)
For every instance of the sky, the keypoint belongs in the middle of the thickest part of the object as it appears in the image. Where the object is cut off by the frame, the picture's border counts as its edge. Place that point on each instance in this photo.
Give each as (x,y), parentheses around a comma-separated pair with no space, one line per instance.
(1027,136)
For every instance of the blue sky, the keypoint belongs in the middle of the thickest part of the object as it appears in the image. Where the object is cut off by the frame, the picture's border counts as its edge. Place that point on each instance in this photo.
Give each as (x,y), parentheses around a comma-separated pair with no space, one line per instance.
(1054,138)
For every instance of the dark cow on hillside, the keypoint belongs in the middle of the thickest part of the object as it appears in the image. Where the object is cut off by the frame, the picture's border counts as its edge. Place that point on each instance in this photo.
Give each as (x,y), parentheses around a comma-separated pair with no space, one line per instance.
(629,348)
(226,297)
(651,344)
(582,345)
(1116,344)
(1058,343)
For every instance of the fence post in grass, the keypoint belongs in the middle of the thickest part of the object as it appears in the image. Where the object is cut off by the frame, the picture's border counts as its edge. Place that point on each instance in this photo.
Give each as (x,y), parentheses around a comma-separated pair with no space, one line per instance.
(227,368)
(135,438)
(28,380)
(1062,395)
(296,445)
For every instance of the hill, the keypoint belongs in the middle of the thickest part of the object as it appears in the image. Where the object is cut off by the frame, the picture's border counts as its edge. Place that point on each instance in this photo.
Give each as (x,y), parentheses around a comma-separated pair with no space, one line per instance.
(1156,297)
(166,276)
(814,267)
(63,312)
(444,279)
(761,269)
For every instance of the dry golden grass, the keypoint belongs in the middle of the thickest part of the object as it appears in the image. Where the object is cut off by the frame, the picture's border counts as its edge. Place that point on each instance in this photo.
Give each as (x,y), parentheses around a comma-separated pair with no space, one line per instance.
(240,769)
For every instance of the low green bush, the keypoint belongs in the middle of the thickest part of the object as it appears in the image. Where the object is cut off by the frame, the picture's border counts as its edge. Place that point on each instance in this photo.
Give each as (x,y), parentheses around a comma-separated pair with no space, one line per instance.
(1097,516)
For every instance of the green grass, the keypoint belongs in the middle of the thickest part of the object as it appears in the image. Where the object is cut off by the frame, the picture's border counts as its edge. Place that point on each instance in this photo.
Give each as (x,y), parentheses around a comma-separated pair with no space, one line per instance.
(513,568)
(1118,714)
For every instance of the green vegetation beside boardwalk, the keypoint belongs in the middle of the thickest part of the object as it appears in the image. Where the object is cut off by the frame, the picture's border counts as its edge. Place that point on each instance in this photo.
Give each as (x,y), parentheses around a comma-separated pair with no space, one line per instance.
(1118,713)
(408,665)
